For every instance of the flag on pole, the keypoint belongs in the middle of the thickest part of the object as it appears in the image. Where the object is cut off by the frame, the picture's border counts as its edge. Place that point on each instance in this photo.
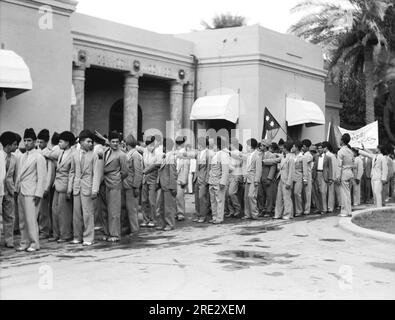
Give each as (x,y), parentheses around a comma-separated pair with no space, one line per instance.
(269,123)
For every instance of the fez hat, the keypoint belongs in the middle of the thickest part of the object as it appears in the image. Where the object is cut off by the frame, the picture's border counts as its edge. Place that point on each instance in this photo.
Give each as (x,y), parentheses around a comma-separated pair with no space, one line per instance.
(85,134)
(346,138)
(7,138)
(30,134)
(180,140)
(67,136)
(43,135)
(55,138)
(149,140)
(114,135)
(313,148)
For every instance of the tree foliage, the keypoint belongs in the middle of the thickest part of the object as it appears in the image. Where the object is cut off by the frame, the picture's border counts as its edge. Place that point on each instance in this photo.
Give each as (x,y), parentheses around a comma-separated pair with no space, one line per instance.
(227,20)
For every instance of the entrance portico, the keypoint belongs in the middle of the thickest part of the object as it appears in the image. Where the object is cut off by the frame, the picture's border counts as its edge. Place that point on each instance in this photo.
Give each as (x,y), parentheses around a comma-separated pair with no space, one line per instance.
(165,85)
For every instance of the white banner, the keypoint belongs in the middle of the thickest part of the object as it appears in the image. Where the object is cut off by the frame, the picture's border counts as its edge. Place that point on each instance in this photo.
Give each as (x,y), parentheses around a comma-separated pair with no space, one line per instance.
(367,135)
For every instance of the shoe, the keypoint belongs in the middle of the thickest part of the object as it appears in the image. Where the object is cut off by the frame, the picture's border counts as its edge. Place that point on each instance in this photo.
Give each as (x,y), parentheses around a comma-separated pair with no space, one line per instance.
(195,220)
(43,237)
(168,228)
(343,215)
(217,222)
(9,245)
(228,216)
(30,249)
(286,218)
(87,243)
(159,228)
(113,239)
(75,241)
(151,225)
(62,240)
(201,220)
(20,249)
(53,239)
(245,218)
(211,221)
(143,225)
(180,218)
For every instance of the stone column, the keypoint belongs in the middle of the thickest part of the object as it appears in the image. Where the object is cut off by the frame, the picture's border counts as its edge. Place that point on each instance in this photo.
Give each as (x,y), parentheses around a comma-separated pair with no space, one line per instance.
(176,109)
(77,110)
(188,102)
(130,105)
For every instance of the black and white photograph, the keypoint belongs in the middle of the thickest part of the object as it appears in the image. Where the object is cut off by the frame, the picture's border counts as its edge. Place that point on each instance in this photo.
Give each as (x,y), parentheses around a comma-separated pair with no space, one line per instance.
(218,152)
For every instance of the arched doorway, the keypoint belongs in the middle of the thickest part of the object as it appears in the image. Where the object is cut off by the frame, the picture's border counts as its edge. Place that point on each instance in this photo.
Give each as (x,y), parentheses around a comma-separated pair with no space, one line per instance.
(116,119)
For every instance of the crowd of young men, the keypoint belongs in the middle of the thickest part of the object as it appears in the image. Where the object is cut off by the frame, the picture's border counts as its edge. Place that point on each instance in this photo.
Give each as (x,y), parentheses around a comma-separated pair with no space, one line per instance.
(61,190)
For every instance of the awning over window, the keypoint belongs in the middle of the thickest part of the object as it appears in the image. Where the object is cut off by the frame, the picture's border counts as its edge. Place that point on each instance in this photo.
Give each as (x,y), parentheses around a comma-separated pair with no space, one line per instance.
(303,112)
(14,74)
(222,107)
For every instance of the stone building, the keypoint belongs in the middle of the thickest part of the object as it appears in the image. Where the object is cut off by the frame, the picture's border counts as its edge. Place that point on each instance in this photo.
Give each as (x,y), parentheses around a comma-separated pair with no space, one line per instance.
(91,73)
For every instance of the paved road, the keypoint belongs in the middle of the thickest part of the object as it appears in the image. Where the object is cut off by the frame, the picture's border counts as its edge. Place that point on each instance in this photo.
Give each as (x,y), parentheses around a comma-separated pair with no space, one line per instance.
(307,258)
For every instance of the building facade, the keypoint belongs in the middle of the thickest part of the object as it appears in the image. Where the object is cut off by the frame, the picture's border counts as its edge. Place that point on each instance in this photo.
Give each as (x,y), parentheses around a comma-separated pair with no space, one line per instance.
(100,75)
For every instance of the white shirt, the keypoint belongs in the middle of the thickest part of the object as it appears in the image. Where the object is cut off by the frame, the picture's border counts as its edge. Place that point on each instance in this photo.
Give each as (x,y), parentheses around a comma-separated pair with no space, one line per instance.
(320,165)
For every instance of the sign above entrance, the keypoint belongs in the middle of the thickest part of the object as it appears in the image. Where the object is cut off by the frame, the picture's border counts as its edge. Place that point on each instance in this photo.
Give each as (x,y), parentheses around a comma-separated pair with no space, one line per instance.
(124,62)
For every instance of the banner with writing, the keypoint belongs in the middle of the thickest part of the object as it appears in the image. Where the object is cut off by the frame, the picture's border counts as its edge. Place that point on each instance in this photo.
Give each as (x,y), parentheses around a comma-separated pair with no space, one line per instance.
(368,136)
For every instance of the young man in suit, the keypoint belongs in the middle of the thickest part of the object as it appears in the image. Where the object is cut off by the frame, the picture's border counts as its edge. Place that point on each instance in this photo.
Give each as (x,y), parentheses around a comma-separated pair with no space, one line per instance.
(235,179)
(252,180)
(115,171)
(86,177)
(307,182)
(183,165)
(218,180)
(344,174)
(356,184)
(300,177)
(323,170)
(132,183)
(366,182)
(203,160)
(8,164)
(328,150)
(266,192)
(379,173)
(18,155)
(167,181)
(62,206)
(45,212)
(30,185)
(151,160)
(284,205)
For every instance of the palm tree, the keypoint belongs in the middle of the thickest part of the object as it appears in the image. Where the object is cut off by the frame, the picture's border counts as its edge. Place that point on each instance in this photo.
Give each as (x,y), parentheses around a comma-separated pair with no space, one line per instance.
(225,21)
(351,36)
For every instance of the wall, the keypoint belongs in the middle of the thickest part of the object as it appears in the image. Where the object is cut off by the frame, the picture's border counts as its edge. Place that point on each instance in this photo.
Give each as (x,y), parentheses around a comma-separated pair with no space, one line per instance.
(48,54)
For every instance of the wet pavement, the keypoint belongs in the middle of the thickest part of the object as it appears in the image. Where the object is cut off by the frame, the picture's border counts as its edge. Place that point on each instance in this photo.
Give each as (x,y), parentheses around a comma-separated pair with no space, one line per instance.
(306,258)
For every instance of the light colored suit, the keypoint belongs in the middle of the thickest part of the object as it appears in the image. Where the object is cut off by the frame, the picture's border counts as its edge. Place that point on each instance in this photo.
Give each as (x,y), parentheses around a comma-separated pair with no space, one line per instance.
(308,158)
(323,178)
(218,181)
(252,178)
(331,186)
(235,179)
(45,211)
(202,198)
(62,206)
(345,159)
(183,166)
(167,179)
(284,205)
(8,202)
(133,182)
(2,172)
(300,175)
(356,187)
(86,176)
(30,183)
(266,190)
